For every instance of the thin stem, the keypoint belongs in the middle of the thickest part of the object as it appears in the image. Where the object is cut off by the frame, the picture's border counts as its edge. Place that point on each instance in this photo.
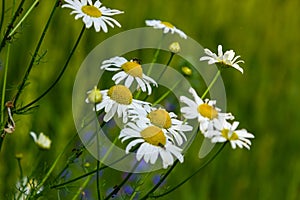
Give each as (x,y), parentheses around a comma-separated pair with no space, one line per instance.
(2,15)
(91,172)
(54,164)
(20,168)
(10,25)
(35,54)
(98,163)
(193,174)
(4,84)
(59,76)
(211,84)
(155,56)
(118,187)
(161,180)
(84,184)
(166,94)
(23,18)
(169,61)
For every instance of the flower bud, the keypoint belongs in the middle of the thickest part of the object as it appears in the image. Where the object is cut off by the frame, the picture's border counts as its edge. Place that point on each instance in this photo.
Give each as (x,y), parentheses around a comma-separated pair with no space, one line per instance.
(94,96)
(186,70)
(174,47)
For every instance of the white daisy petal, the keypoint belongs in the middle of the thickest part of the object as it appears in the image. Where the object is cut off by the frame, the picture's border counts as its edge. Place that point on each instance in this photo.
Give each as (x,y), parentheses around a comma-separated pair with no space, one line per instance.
(93,14)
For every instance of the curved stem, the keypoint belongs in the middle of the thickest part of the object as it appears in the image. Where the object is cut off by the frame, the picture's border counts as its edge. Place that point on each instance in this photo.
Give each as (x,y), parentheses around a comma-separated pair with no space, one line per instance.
(169,61)
(59,76)
(91,172)
(10,25)
(160,181)
(54,164)
(118,187)
(193,174)
(2,14)
(4,84)
(22,85)
(211,84)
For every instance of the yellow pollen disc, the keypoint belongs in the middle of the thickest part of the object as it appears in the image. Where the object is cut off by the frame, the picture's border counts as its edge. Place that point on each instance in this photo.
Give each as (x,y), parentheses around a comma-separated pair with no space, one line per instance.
(167,24)
(225,134)
(91,11)
(154,135)
(207,111)
(160,118)
(133,69)
(120,94)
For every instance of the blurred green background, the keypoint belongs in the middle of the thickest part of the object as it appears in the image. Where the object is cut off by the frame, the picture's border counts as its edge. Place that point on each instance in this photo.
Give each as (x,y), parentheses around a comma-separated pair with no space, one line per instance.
(264,99)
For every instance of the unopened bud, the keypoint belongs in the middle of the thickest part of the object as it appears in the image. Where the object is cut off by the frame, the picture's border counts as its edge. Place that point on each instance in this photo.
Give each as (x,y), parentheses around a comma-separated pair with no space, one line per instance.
(186,70)
(174,47)
(94,96)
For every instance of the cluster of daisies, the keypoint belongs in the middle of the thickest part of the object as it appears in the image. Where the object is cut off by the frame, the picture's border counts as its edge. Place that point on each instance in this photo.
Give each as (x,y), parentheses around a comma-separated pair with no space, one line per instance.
(154,132)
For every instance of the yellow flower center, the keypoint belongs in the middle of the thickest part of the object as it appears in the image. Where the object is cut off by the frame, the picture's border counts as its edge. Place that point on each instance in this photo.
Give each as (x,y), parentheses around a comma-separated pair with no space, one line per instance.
(207,111)
(91,11)
(154,135)
(160,118)
(225,134)
(133,68)
(95,96)
(120,94)
(167,24)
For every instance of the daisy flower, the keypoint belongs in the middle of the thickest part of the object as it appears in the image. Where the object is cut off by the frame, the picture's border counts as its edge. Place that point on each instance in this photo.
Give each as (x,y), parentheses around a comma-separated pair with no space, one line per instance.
(226,60)
(118,99)
(161,118)
(224,131)
(42,141)
(129,71)
(26,186)
(205,111)
(153,143)
(166,26)
(93,14)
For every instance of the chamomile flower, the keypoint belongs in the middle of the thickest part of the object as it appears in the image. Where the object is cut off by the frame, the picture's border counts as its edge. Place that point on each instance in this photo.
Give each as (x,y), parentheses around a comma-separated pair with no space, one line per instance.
(166,26)
(129,71)
(224,131)
(118,99)
(93,14)
(225,60)
(205,111)
(153,143)
(42,141)
(161,118)
(26,186)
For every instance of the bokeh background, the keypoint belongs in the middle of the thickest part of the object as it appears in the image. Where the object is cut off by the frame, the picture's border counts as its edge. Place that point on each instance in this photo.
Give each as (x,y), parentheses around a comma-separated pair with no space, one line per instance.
(264,99)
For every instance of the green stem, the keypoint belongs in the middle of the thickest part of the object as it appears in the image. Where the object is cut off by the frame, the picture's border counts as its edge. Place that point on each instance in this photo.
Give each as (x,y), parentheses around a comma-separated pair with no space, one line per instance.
(10,25)
(98,163)
(211,84)
(160,181)
(166,94)
(168,63)
(20,168)
(54,164)
(193,174)
(91,172)
(118,187)
(22,85)
(4,84)
(59,76)
(2,14)
(23,18)
(84,184)
(155,56)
